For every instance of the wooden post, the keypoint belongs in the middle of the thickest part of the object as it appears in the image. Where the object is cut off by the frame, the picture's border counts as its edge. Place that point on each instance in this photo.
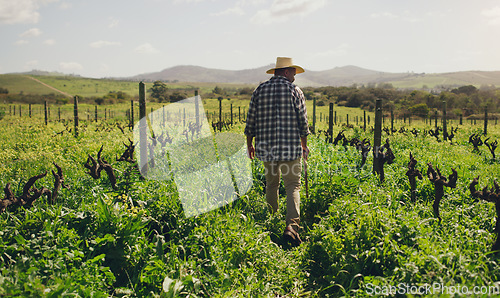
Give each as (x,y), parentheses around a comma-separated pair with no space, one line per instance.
(197,108)
(220,110)
(231,114)
(314,116)
(347,119)
(392,120)
(445,131)
(485,120)
(143,126)
(46,113)
(95,113)
(29,109)
(330,124)
(131,115)
(75,113)
(59,113)
(436,119)
(364,120)
(377,135)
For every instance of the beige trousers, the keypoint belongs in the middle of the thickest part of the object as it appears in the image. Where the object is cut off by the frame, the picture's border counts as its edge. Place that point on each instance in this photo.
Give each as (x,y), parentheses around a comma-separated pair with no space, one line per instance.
(291,172)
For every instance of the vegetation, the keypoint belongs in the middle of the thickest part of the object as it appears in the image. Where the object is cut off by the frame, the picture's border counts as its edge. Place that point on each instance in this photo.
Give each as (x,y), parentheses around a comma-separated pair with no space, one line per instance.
(361,235)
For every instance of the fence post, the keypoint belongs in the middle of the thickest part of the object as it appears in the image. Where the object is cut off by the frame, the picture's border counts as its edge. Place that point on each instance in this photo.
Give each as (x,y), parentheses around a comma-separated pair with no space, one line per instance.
(445,131)
(75,113)
(46,113)
(330,124)
(196,108)
(485,120)
(220,110)
(314,116)
(131,114)
(364,120)
(143,125)
(377,135)
(95,113)
(392,120)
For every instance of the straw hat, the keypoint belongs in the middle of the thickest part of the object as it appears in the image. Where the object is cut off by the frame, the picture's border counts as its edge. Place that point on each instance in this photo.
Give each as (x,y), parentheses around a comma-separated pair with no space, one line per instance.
(284,62)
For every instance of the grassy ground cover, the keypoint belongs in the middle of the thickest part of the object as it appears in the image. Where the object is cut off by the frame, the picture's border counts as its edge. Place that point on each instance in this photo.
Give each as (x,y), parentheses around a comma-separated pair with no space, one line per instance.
(362,237)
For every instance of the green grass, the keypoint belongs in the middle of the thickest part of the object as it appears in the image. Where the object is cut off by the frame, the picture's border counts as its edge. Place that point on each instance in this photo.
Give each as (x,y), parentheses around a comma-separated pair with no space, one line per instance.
(88,87)
(16,84)
(358,233)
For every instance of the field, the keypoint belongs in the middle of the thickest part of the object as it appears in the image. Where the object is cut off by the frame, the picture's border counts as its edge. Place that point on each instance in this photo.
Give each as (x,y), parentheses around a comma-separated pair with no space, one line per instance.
(361,236)
(88,87)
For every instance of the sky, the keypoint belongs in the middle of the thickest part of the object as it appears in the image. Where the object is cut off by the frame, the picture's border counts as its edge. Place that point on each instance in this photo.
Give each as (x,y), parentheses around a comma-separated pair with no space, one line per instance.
(120,38)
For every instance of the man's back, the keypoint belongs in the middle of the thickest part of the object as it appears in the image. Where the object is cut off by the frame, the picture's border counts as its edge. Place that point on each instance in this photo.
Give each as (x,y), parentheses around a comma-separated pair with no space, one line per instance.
(277,118)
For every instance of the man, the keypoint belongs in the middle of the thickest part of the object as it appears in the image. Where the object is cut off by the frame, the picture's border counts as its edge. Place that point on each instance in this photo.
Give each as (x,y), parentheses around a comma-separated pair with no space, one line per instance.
(277,119)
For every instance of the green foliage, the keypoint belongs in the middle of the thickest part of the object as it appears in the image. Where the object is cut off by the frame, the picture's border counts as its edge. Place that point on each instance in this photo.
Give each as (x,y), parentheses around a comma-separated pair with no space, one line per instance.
(136,241)
(159,91)
(420,110)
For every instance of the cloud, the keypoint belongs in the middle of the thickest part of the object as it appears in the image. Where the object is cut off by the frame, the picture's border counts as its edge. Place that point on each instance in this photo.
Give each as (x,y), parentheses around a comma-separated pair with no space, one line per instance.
(283,10)
(146,48)
(49,42)
(70,66)
(31,33)
(21,42)
(19,12)
(103,43)
(230,11)
(493,15)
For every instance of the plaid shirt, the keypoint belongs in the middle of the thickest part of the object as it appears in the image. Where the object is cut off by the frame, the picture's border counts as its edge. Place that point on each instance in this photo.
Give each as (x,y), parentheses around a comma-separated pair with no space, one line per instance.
(277,118)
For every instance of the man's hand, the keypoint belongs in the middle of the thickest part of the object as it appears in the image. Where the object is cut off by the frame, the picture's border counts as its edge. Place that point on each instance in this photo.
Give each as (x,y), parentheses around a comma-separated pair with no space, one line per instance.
(251,152)
(305,149)
(250,147)
(305,152)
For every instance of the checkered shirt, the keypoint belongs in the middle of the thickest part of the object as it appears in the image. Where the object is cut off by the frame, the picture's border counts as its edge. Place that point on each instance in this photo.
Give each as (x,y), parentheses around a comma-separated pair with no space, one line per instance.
(277,118)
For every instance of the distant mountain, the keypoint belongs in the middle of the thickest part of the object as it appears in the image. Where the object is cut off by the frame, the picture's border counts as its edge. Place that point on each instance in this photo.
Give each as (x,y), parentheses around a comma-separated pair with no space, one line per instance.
(339,76)
(36,72)
(190,73)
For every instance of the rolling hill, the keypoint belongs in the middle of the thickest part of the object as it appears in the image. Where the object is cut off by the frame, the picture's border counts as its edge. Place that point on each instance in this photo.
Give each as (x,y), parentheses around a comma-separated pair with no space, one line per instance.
(338,76)
(40,82)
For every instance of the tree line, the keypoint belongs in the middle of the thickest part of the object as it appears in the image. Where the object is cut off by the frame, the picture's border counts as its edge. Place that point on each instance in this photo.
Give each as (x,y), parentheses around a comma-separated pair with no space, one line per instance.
(465,100)
(461,101)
